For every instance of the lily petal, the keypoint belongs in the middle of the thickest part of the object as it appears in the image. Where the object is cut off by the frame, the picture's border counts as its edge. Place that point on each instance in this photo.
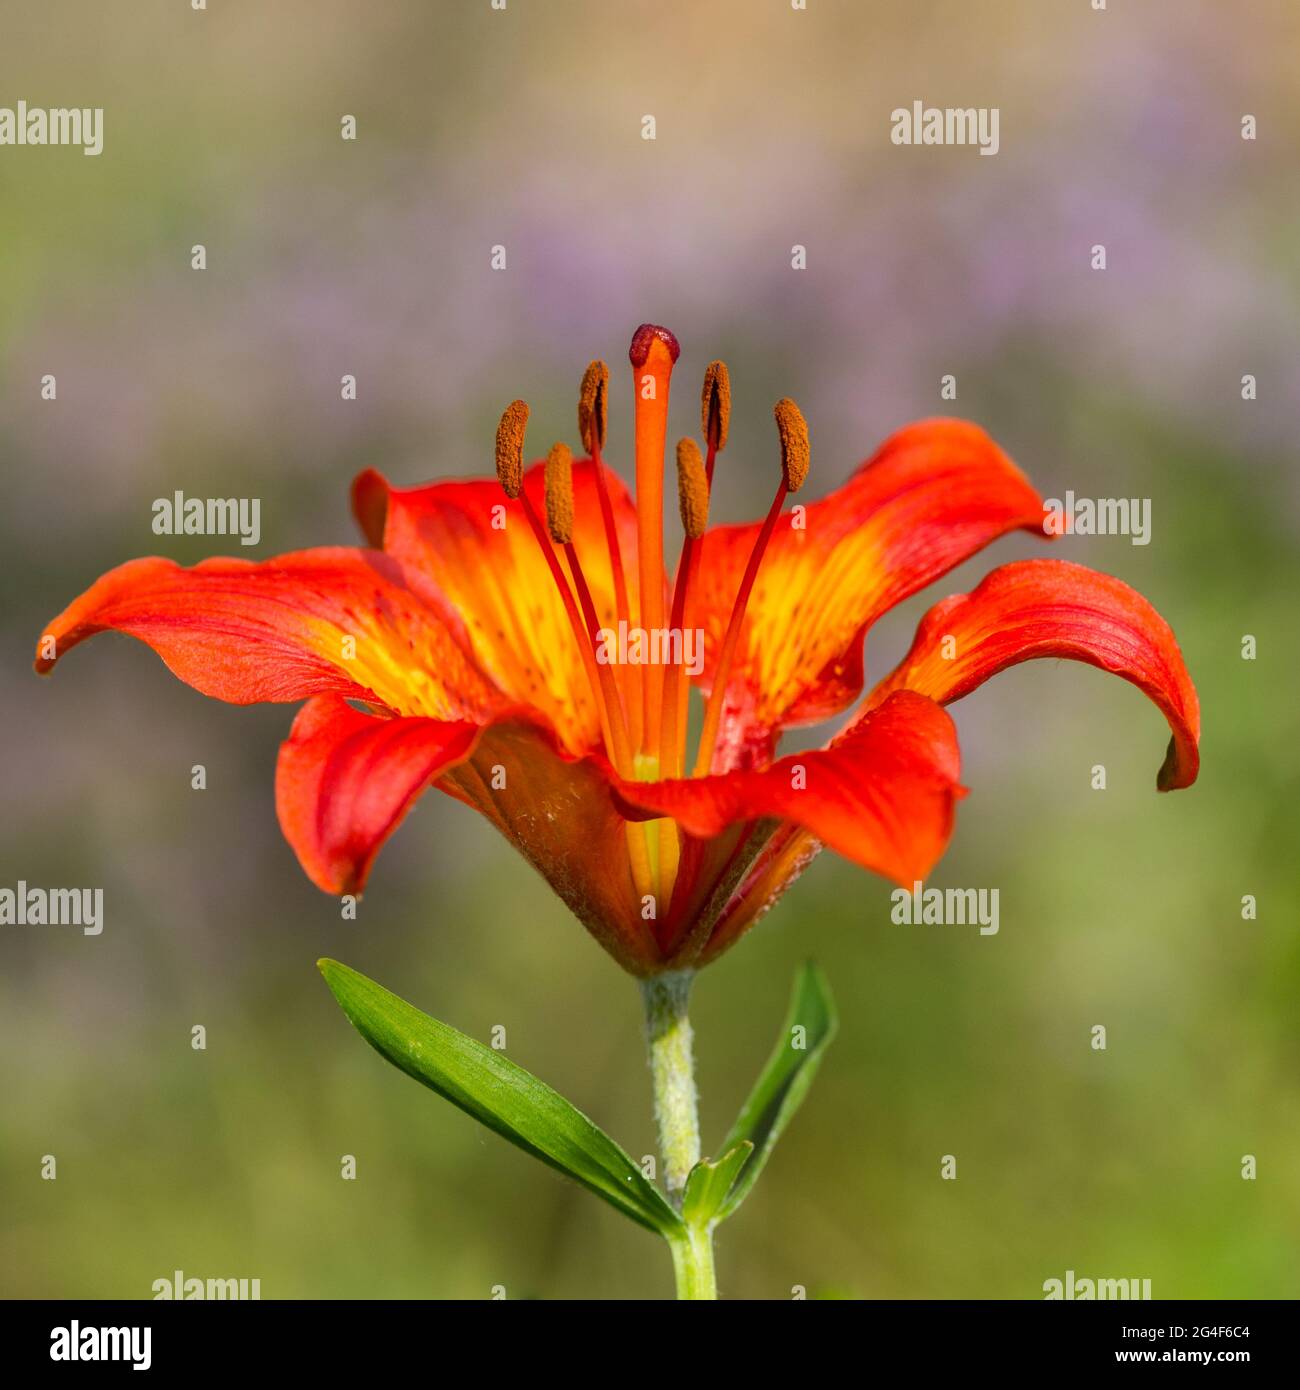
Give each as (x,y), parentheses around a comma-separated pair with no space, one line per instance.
(882,793)
(559,812)
(1036,608)
(784,858)
(932,495)
(476,546)
(312,622)
(344,780)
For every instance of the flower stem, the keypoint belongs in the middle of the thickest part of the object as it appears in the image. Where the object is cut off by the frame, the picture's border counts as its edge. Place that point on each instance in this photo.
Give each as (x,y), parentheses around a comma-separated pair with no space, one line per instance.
(693,1264)
(672,1070)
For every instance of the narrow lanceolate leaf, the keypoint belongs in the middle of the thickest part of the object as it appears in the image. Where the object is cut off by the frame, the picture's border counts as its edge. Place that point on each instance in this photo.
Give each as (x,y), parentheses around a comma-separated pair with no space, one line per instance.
(784,1081)
(499,1094)
(709,1183)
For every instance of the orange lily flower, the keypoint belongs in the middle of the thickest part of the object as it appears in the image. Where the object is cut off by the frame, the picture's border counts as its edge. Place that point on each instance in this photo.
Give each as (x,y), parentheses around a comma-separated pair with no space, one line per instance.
(470,650)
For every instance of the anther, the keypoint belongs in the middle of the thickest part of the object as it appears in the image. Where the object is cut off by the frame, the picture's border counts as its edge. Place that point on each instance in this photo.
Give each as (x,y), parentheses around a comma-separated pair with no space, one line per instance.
(593,407)
(692,489)
(510,448)
(715,406)
(558,478)
(795,455)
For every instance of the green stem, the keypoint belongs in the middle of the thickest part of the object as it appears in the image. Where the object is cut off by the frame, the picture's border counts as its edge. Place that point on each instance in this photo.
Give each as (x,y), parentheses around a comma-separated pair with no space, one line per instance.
(693,1263)
(672,1070)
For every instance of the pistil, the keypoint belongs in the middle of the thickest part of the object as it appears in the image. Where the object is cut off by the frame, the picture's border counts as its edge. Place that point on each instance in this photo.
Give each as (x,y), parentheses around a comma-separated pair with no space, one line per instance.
(653,352)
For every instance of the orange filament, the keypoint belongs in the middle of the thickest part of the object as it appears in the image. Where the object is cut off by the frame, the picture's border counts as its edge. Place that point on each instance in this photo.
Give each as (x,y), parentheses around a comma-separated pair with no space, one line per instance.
(509,456)
(653,352)
(622,749)
(722,673)
(792,431)
(692,489)
(693,501)
(635,834)
(575,622)
(593,418)
(693,498)
(559,523)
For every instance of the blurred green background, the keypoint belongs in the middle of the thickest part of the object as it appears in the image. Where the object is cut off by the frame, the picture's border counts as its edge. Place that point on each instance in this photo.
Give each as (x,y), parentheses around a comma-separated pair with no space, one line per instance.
(522,128)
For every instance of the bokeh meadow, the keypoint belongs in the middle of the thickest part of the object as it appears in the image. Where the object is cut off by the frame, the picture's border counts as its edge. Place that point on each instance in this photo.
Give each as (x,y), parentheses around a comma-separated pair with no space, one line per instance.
(522,128)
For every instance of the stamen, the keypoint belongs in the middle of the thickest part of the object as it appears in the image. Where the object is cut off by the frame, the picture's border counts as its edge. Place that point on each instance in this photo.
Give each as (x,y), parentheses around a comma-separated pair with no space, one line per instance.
(558,477)
(576,624)
(795,457)
(593,407)
(693,497)
(510,451)
(623,754)
(693,501)
(795,454)
(692,489)
(653,352)
(593,419)
(510,448)
(559,522)
(715,406)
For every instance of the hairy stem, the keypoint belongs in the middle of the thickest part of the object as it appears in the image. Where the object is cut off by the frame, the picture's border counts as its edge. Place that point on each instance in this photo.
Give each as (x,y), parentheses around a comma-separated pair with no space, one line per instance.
(672,1070)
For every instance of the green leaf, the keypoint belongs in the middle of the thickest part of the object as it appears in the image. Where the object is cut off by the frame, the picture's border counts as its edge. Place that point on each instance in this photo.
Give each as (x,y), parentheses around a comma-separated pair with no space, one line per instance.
(708,1183)
(784,1081)
(499,1094)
